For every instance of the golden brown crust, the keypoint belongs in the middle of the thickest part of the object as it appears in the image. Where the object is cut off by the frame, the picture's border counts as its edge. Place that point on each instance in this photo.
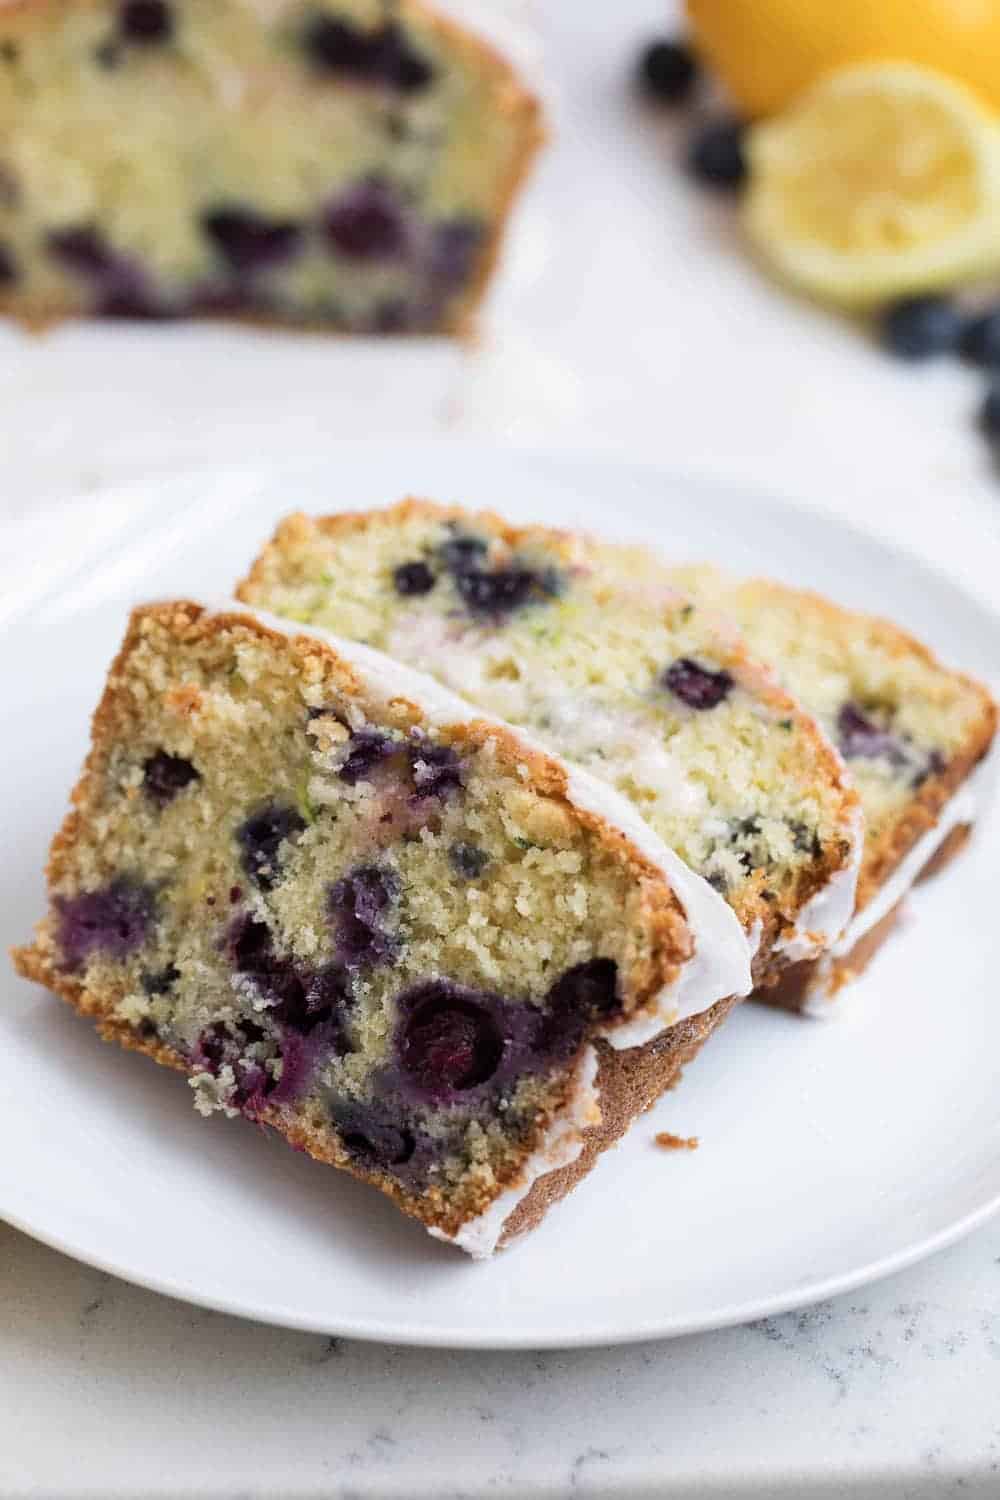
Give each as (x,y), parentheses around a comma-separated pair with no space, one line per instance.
(512,98)
(629,1083)
(669,938)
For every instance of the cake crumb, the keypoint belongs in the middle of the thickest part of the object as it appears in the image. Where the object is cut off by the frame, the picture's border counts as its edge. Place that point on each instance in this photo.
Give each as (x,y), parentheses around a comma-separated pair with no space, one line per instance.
(667,1141)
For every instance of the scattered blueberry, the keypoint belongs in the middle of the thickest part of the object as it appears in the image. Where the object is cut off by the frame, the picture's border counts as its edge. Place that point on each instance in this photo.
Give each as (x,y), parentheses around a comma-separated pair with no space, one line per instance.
(132,299)
(366,750)
(499,592)
(980,339)
(581,995)
(468,861)
(858,736)
(699,687)
(260,838)
(250,242)
(358,904)
(159,983)
(437,770)
(145,21)
(367,223)
(452,254)
(382,56)
(920,327)
(989,414)
(460,552)
(113,921)
(8,267)
(667,72)
(82,249)
(413,578)
(164,775)
(717,157)
(448,1042)
(373,1133)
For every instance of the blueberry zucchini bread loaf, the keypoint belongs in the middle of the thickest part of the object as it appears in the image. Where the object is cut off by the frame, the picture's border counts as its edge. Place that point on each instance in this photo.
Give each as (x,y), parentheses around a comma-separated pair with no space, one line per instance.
(911,731)
(638,686)
(338,163)
(403,938)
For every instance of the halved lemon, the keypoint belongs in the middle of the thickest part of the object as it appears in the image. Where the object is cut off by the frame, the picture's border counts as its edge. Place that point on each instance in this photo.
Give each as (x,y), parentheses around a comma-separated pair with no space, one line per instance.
(882,181)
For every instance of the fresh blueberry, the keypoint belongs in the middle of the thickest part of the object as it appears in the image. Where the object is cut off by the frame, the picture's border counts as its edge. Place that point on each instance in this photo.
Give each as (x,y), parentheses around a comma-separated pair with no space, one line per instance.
(448,1042)
(367,749)
(437,770)
(113,921)
(358,904)
(248,241)
(367,223)
(920,327)
(717,157)
(145,21)
(468,861)
(699,687)
(413,578)
(375,1135)
(859,737)
(260,838)
(164,775)
(980,339)
(8,267)
(667,72)
(989,414)
(162,981)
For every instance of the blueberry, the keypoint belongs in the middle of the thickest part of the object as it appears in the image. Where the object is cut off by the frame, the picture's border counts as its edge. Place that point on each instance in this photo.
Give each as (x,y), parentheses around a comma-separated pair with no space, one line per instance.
(699,687)
(375,1135)
(249,945)
(496,593)
(145,21)
(365,752)
(159,983)
(461,552)
(131,299)
(667,72)
(82,249)
(367,223)
(717,157)
(980,339)
(8,267)
(468,861)
(112,921)
(357,904)
(859,737)
(919,327)
(164,775)
(413,578)
(260,838)
(449,1042)
(452,253)
(437,769)
(401,66)
(989,414)
(381,56)
(578,997)
(248,241)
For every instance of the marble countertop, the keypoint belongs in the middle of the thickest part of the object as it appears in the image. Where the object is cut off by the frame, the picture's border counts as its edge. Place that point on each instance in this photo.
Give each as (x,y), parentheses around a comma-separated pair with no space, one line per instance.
(627,319)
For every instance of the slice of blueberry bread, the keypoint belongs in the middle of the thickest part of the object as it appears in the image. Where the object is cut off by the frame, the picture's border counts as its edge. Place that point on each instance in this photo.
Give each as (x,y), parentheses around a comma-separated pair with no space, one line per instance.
(338,163)
(640,686)
(910,729)
(401,936)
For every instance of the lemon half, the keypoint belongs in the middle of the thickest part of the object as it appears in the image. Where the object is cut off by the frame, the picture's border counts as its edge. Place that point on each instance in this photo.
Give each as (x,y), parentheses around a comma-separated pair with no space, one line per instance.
(882,181)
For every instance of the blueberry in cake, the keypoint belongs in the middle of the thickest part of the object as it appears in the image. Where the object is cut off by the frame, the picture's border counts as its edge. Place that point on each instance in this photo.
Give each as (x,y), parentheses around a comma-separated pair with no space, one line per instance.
(339,163)
(911,731)
(401,936)
(639,686)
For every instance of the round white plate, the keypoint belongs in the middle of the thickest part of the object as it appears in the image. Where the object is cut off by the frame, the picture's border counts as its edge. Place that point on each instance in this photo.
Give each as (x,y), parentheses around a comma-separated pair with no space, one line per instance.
(830,1153)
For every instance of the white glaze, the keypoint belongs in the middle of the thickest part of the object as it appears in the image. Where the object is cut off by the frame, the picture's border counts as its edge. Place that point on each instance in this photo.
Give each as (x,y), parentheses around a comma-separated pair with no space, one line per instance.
(826,914)
(561,1145)
(963,807)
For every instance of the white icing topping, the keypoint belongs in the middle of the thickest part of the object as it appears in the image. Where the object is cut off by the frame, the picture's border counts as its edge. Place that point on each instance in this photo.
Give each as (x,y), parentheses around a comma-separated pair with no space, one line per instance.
(826,914)
(963,807)
(562,1145)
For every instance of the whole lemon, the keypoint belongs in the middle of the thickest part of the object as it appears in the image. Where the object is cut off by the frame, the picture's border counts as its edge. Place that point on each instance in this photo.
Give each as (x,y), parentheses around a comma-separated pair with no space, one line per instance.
(768,51)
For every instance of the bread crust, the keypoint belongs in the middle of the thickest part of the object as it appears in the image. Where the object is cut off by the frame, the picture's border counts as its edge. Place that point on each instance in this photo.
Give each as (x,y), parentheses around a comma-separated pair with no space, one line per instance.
(669,938)
(513,99)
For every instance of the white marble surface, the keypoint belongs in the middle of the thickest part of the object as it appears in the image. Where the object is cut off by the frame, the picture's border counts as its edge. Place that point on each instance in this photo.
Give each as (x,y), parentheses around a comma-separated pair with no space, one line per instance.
(628,319)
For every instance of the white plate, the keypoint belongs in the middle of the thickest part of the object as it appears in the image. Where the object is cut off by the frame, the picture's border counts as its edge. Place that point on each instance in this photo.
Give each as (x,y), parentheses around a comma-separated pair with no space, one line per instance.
(830,1154)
